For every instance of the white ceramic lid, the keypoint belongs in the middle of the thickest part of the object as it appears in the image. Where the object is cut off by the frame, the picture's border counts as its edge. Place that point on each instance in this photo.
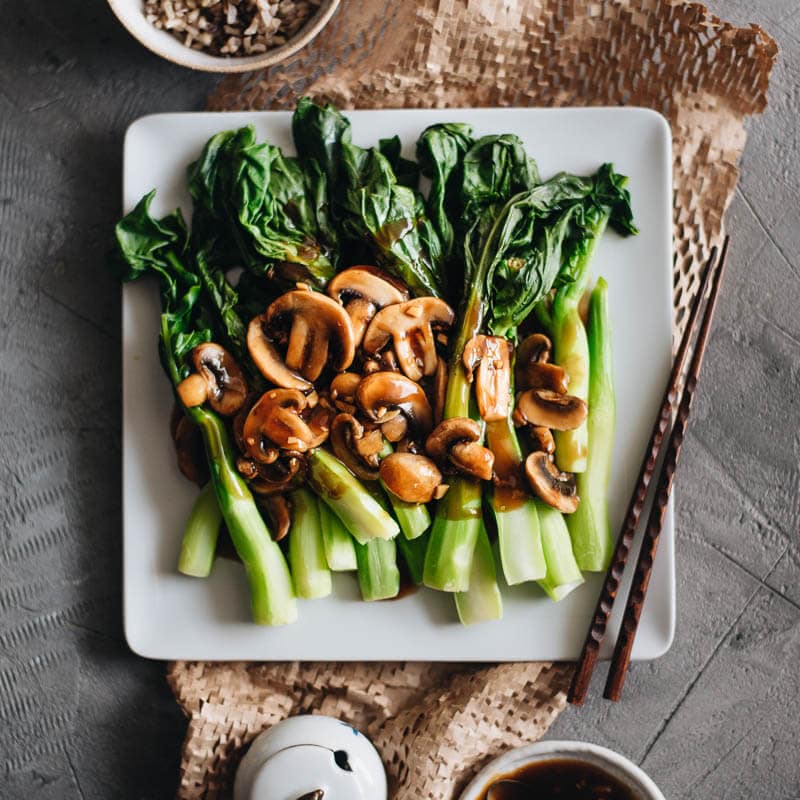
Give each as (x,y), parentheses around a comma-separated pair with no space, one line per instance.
(302,755)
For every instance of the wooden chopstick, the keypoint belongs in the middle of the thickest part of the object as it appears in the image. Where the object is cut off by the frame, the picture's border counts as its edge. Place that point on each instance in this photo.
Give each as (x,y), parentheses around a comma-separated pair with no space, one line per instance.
(652,534)
(594,638)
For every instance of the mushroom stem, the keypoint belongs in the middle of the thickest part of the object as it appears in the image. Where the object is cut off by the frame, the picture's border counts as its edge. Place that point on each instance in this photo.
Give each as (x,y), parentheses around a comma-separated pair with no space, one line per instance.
(199,542)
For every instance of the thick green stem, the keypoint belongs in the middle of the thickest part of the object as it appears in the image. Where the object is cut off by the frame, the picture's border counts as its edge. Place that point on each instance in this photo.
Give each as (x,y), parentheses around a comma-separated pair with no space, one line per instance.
(199,543)
(482,602)
(378,575)
(340,550)
(271,591)
(312,578)
(571,349)
(518,534)
(458,514)
(589,526)
(413,553)
(360,512)
(563,574)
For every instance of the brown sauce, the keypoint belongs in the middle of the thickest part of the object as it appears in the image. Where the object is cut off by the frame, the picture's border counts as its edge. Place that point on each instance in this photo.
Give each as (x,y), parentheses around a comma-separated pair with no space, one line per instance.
(560,779)
(509,480)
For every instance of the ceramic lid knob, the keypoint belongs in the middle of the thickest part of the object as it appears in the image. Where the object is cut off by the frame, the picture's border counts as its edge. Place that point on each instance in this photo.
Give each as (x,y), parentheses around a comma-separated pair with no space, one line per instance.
(311,758)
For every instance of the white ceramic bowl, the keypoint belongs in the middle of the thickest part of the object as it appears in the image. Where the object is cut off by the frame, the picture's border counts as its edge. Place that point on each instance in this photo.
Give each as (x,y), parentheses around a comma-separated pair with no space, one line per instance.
(130,14)
(618,766)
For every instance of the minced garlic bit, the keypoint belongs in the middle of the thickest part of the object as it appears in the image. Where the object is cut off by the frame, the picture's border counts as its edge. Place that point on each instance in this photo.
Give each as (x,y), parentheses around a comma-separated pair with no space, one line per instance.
(231,27)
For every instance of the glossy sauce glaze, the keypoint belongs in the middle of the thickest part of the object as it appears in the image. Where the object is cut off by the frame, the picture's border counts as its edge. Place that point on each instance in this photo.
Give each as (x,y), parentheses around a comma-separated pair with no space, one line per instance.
(558,779)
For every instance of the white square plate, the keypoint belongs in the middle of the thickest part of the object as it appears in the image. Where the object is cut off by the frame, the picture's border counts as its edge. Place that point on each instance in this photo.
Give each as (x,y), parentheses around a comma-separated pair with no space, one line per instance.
(170,616)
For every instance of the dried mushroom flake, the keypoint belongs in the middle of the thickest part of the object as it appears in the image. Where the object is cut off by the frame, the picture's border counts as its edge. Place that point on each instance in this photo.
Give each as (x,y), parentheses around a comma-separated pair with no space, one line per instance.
(230,27)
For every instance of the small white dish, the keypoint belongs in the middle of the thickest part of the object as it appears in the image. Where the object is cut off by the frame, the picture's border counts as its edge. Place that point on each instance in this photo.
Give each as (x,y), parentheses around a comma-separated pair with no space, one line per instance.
(130,13)
(619,767)
(170,616)
(303,756)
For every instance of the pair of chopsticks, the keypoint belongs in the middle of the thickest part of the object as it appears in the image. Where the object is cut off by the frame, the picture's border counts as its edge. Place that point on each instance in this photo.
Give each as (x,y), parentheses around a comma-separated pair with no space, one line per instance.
(672,398)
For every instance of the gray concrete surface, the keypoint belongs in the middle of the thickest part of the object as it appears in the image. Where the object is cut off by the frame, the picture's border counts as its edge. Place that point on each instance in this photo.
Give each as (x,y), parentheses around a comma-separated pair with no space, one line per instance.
(80,717)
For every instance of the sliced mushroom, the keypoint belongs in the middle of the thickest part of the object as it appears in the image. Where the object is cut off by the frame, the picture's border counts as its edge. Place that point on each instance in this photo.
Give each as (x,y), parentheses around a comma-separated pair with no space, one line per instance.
(275,478)
(320,333)
(487,360)
(410,327)
(277,508)
(456,442)
(534,349)
(275,420)
(356,448)
(342,391)
(395,428)
(542,439)
(540,375)
(384,395)
(410,477)
(363,291)
(554,487)
(189,447)
(216,379)
(559,412)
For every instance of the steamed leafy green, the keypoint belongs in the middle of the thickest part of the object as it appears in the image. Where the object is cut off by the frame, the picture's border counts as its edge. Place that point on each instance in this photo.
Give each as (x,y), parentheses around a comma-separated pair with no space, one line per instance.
(371,206)
(145,245)
(268,209)
(440,152)
(405,170)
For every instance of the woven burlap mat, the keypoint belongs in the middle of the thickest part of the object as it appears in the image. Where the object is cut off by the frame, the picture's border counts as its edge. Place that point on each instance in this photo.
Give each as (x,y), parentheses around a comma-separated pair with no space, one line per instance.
(435,724)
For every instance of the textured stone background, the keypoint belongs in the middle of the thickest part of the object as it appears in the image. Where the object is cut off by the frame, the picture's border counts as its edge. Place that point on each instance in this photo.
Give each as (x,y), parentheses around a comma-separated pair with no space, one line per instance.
(80,717)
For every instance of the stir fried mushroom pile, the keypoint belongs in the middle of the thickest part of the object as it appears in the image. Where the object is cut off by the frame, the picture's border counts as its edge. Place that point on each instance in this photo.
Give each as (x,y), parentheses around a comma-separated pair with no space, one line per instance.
(362,371)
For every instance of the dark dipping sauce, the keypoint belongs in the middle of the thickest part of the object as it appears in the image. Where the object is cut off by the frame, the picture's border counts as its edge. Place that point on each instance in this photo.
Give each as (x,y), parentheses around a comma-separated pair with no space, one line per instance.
(560,779)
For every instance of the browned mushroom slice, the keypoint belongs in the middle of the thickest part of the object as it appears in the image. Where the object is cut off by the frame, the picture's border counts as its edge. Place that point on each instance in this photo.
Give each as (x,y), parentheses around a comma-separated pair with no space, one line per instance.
(559,412)
(534,349)
(542,439)
(543,376)
(395,428)
(473,459)
(277,508)
(410,477)
(189,448)
(216,379)
(363,291)
(384,395)
(319,423)
(487,360)
(356,448)
(410,327)
(554,487)
(278,477)
(342,391)
(320,332)
(456,442)
(275,420)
